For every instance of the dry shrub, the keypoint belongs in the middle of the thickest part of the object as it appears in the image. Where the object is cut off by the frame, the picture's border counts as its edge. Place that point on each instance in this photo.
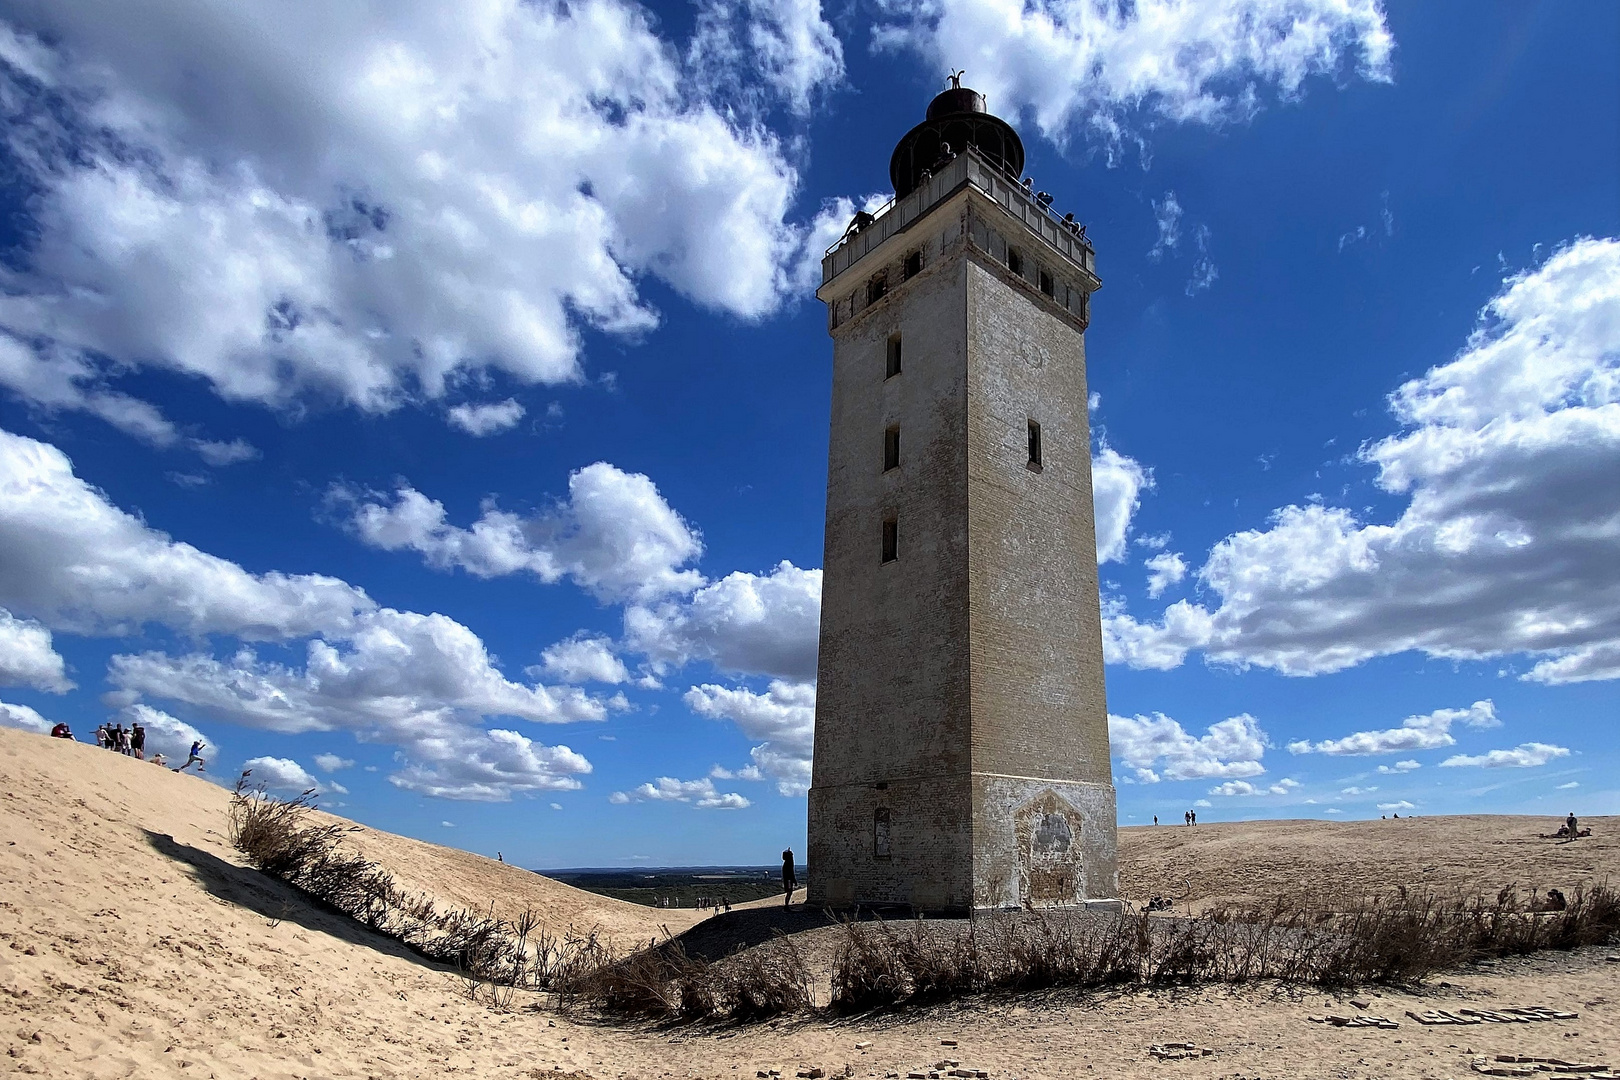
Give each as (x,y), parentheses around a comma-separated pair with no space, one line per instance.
(643,985)
(867,970)
(1328,941)
(667,984)
(765,981)
(278,838)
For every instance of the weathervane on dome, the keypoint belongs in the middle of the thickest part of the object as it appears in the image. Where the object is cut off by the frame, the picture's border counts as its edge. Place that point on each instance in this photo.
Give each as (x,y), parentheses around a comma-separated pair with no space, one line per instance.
(955,78)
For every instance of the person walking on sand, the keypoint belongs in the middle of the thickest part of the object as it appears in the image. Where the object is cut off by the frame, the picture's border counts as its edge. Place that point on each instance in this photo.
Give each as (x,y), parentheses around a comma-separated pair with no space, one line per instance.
(137,742)
(1573,824)
(196,756)
(790,880)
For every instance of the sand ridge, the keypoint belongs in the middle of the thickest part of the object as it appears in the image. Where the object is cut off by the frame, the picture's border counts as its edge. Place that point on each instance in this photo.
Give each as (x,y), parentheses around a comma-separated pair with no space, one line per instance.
(134,943)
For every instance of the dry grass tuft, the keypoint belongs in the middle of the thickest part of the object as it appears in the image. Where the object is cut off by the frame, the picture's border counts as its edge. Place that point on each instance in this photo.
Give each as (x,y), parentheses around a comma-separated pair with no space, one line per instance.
(1339,942)
(495,956)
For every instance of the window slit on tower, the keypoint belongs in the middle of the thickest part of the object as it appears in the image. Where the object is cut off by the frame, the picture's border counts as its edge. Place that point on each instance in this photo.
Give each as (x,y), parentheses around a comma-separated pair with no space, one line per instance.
(913,265)
(891,448)
(893,368)
(877,288)
(1048,286)
(1015,261)
(891,538)
(1035,446)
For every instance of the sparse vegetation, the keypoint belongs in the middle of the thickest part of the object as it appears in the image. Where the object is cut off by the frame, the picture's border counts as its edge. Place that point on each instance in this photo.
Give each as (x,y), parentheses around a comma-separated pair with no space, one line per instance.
(498,957)
(1323,941)
(501,955)
(1337,941)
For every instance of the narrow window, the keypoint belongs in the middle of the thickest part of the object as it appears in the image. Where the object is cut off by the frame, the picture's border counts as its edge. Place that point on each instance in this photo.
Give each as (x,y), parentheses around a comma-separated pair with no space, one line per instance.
(891,448)
(893,368)
(913,265)
(891,538)
(1048,286)
(880,833)
(1034,446)
(877,288)
(1015,261)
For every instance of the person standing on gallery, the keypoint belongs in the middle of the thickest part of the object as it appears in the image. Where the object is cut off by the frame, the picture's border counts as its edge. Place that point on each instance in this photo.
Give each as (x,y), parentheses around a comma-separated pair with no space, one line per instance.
(790,880)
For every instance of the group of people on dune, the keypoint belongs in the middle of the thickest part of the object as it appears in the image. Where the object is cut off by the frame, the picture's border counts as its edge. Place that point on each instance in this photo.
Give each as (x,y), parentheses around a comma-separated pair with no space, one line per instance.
(131,742)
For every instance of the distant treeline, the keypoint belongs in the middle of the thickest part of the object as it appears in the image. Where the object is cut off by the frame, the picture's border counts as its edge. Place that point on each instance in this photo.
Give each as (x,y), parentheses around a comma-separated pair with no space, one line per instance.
(683,887)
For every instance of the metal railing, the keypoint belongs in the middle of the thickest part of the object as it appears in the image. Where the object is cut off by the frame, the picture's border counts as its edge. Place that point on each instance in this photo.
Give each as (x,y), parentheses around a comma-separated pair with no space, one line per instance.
(967,167)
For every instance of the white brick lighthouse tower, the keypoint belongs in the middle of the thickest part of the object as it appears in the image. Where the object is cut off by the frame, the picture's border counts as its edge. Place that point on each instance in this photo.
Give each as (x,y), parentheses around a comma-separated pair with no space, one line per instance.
(961,743)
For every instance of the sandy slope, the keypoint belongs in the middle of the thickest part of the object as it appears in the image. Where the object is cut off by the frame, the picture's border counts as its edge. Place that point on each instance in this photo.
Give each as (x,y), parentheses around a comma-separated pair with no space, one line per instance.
(134,944)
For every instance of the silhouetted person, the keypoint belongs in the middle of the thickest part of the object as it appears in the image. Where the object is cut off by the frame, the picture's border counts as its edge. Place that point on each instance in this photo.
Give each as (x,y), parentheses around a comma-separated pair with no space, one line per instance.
(1556,901)
(1155,819)
(790,880)
(62,731)
(1573,824)
(137,742)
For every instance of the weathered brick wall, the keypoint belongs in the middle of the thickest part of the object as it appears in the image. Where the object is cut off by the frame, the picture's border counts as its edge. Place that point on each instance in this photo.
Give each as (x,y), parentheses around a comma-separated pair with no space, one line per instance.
(1035,628)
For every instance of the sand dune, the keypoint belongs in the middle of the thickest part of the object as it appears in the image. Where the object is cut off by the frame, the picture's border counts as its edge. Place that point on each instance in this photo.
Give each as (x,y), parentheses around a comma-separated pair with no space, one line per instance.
(133,943)
(1247,859)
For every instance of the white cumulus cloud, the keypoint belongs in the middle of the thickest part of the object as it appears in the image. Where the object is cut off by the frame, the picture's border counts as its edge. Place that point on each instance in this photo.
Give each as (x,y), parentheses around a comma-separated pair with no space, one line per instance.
(1117,483)
(765,624)
(614,536)
(1165,569)
(280,774)
(700,793)
(1524,756)
(309,201)
(331,763)
(754,52)
(420,682)
(27,657)
(1107,69)
(783,719)
(1428,731)
(1400,767)
(1244,788)
(1510,533)
(582,659)
(21,716)
(75,562)
(1157,747)
(488,418)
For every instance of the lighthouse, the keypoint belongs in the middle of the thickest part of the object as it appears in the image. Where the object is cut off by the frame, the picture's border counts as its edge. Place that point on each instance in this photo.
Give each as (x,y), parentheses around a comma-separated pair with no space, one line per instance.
(961,730)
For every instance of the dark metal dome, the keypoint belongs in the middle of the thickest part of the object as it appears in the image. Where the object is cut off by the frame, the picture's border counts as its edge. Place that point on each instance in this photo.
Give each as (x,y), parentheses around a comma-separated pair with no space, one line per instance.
(956,117)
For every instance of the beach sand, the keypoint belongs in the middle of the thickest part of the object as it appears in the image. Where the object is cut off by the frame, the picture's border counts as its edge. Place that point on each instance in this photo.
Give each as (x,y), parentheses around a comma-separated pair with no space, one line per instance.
(135,943)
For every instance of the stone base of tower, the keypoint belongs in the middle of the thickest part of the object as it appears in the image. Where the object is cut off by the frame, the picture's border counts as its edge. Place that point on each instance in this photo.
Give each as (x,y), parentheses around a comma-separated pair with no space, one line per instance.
(1043,843)
(952,844)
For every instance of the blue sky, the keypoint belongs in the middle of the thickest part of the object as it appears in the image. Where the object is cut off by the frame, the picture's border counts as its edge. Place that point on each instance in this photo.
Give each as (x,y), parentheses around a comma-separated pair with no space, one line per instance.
(429,401)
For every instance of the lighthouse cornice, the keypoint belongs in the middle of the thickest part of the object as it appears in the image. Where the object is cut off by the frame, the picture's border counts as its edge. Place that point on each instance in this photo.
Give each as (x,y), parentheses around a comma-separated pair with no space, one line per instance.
(870,243)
